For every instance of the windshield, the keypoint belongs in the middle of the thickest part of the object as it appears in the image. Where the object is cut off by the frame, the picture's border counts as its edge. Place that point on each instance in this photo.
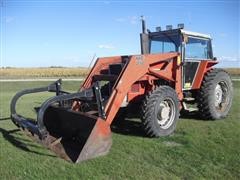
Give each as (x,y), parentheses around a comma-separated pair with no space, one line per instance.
(164,43)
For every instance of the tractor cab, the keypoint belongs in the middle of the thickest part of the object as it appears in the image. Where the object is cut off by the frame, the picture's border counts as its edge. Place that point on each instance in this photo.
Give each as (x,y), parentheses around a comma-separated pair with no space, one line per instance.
(193,47)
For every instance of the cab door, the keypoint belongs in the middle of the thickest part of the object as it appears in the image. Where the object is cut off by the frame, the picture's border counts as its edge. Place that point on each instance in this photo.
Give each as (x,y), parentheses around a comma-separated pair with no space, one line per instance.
(196,50)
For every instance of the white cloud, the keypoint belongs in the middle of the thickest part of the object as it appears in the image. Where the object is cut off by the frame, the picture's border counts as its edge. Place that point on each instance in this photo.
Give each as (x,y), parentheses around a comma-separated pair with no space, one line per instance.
(120,19)
(106,2)
(229,58)
(72,58)
(131,19)
(9,19)
(223,34)
(46,44)
(106,46)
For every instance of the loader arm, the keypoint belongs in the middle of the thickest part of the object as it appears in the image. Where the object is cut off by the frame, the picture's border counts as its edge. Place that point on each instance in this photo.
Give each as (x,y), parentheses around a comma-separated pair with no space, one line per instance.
(136,68)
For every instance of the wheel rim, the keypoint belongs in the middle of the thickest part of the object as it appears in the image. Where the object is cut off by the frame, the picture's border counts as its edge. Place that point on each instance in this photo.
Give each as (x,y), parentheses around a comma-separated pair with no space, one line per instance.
(221,96)
(166,113)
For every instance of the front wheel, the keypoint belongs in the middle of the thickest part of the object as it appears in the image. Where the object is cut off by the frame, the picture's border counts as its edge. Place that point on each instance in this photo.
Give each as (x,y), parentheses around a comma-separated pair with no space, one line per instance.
(160,112)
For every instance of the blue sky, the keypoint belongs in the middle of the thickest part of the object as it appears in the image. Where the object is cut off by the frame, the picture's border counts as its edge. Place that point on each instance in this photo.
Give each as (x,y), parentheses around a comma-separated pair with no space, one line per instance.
(68,33)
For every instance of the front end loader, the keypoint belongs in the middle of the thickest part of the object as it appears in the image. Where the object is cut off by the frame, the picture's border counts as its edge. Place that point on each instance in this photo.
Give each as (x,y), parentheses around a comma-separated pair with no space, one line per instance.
(76,126)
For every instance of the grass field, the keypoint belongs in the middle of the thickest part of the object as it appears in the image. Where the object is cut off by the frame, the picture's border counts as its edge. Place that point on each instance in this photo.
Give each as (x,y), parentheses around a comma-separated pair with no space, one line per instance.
(197,150)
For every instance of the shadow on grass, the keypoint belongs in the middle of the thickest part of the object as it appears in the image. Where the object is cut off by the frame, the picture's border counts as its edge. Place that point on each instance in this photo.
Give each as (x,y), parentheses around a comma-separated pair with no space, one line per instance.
(18,142)
(5,118)
(128,127)
(194,115)
(128,123)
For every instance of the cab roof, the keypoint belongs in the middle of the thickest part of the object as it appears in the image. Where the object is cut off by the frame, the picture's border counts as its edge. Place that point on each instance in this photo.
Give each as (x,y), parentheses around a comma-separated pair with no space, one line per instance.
(190,33)
(182,31)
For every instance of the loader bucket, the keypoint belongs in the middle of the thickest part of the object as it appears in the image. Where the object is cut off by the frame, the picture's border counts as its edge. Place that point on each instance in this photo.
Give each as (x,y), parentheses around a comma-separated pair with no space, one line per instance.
(73,135)
(76,136)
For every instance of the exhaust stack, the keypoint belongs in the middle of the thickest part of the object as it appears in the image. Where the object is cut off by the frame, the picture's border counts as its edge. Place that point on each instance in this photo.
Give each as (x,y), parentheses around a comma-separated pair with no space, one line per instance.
(144,38)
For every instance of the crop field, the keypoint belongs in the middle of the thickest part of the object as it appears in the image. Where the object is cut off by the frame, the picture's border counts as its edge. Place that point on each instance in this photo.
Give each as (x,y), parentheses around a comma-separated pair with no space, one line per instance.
(63,72)
(197,149)
(11,73)
(235,72)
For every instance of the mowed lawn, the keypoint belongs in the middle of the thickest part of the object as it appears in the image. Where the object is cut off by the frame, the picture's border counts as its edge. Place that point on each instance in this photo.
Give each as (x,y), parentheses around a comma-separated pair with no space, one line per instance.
(197,149)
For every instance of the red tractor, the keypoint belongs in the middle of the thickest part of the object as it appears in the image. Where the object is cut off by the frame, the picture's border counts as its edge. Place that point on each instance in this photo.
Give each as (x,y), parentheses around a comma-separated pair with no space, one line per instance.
(176,66)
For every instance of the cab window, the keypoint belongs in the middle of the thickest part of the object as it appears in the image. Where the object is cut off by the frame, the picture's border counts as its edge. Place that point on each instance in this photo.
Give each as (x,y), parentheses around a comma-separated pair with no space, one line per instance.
(164,43)
(162,47)
(197,48)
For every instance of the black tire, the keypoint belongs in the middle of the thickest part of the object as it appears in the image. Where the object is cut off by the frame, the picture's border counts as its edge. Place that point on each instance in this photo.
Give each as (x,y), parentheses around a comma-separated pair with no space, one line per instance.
(152,112)
(215,95)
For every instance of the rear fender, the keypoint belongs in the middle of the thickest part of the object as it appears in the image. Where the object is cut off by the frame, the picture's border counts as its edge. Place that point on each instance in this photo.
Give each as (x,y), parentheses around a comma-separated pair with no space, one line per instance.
(203,68)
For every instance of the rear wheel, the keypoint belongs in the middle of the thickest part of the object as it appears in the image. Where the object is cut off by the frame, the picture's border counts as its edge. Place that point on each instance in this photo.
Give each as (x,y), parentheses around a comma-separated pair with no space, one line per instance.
(215,95)
(160,112)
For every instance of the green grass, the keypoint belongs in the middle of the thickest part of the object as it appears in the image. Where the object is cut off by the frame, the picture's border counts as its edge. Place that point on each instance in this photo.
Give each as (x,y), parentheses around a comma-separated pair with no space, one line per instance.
(198,149)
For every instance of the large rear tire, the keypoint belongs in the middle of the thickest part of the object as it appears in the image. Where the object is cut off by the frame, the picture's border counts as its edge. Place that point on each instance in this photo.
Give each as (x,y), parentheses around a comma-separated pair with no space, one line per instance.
(160,112)
(215,96)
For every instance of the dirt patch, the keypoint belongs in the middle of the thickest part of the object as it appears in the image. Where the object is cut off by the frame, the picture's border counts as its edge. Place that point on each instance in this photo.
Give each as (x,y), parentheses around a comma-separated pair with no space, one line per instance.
(171,144)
